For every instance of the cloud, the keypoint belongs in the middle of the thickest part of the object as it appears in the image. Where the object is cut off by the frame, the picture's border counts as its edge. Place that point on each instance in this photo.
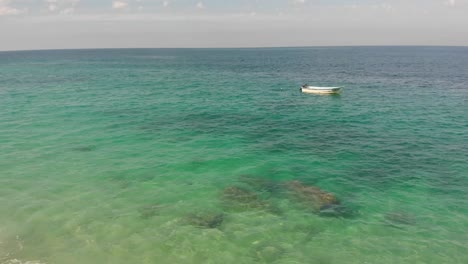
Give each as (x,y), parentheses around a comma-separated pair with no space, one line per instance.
(52,7)
(119,4)
(299,1)
(6,9)
(200,5)
(65,7)
(232,23)
(386,6)
(67,11)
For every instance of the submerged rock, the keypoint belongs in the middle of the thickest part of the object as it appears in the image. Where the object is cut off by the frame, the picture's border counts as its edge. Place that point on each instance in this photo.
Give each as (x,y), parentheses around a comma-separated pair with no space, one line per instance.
(236,198)
(239,195)
(261,184)
(151,210)
(265,252)
(316,199)
(205,220)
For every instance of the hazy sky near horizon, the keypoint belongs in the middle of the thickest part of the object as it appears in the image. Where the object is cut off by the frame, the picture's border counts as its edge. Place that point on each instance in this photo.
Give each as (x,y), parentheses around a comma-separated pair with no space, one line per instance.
(57,24)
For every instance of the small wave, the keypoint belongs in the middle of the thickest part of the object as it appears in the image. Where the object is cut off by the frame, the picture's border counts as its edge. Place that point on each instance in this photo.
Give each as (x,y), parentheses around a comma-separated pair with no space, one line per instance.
(17,261)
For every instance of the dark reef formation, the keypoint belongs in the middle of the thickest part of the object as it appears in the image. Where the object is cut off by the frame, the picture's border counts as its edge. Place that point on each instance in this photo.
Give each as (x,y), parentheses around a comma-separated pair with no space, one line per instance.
(150,210)
(261,184)
(313,196)
(205,220)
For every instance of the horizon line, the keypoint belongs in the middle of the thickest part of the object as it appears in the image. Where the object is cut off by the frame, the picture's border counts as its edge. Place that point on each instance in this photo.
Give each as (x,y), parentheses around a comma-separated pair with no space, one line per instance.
(241,47)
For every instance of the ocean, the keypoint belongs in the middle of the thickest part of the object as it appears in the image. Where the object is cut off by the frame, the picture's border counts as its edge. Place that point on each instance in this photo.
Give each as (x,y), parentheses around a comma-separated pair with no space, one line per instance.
(214,156)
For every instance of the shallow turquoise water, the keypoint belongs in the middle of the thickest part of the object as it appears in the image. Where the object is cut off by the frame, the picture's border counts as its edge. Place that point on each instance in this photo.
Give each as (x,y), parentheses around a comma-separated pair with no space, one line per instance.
(106,155)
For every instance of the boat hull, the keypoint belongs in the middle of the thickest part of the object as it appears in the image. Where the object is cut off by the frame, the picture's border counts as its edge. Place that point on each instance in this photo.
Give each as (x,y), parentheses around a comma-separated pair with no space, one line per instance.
(334,90)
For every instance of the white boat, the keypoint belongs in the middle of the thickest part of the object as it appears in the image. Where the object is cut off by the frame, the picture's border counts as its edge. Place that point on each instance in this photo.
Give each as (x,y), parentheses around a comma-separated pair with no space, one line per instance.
(320,90)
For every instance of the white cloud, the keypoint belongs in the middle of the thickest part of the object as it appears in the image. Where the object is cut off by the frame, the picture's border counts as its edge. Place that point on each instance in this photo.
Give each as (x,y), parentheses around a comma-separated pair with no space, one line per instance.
(62,6)
(119,4)
(299,1)
(6,9)
(67,11)
(386,6)
(63,2)
(200,5)
(451,2)
(417,22)
(52,7)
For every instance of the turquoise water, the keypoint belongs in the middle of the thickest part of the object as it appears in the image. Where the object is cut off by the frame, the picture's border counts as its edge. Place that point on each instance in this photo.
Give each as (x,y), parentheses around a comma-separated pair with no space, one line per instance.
(127,156)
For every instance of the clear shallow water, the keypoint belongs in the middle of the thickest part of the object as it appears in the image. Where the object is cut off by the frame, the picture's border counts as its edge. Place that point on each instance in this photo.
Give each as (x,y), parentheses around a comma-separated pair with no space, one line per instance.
(107,155)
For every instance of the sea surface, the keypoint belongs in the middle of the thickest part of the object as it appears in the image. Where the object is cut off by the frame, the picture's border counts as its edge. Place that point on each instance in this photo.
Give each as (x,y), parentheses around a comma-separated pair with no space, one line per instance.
(214,156)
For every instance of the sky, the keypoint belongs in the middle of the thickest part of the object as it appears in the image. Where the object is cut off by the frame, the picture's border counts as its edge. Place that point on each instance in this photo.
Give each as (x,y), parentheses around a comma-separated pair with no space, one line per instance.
(68,24)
